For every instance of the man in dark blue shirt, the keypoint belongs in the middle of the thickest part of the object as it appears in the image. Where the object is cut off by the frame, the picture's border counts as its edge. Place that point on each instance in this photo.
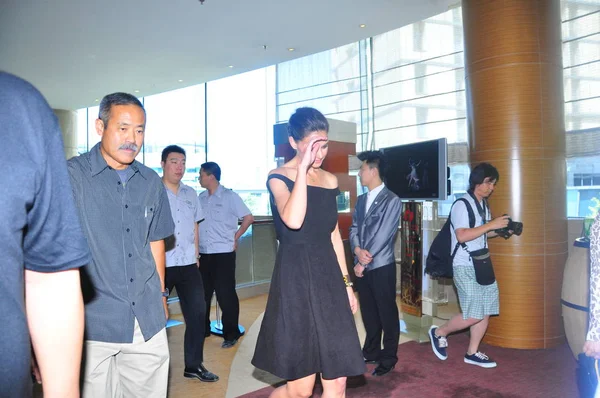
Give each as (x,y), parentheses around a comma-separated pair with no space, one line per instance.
(125,215)
(42,248)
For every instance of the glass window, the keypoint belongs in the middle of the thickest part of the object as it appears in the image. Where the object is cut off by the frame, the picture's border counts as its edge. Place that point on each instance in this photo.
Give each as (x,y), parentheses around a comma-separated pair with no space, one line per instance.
(176,118)
(333,81)
(419,82)
(581,61)
(583,185)
(241,115)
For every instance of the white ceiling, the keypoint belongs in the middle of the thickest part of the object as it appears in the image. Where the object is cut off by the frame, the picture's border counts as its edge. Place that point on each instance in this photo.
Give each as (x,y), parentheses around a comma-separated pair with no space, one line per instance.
(76,51)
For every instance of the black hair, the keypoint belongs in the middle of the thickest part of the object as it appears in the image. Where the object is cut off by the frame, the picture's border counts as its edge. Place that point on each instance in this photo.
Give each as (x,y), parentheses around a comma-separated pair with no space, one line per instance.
(374,159)
(305,121)
(480,173)
(116,99)
(171,149)
(211,168)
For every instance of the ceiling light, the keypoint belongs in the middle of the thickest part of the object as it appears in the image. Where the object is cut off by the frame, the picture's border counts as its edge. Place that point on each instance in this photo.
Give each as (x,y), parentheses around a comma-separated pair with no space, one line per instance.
(230,66)
(136,91)
(362,25)
(96,100)
(180,81)
(291,49)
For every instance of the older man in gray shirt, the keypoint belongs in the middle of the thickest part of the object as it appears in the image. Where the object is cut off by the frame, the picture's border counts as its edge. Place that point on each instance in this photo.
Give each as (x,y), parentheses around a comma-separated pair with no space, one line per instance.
(125,215)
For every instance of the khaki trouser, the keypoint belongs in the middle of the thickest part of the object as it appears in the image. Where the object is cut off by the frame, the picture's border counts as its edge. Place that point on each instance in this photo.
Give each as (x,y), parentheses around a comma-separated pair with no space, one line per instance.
(139,369)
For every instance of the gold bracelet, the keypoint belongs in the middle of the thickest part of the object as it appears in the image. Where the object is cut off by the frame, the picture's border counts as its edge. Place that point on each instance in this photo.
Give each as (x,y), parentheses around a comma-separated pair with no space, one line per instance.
(347,281)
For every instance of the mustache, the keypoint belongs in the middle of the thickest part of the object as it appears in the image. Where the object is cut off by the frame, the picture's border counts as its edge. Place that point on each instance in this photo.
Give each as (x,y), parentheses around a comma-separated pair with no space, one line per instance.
(129,146)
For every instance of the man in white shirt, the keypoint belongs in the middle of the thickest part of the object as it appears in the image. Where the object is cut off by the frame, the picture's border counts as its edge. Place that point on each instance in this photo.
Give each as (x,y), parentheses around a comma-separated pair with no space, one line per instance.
(374,226)
(182,261)
(219,235)
(478,301)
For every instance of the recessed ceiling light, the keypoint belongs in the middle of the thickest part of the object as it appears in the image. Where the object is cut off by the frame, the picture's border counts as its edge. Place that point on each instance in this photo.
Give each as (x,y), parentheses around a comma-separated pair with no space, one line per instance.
(96,100)
(136,91)
(230,66)
(180,80)
(362,25)
(291,49)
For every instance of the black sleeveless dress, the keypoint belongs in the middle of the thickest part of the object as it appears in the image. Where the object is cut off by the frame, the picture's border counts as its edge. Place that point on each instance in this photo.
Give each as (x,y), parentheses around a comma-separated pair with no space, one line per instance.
(308,326)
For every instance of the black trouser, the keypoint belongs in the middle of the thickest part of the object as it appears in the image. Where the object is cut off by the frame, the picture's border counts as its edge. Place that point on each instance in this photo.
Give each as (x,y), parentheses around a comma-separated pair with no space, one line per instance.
(377,294)
(190,289)
(218,274)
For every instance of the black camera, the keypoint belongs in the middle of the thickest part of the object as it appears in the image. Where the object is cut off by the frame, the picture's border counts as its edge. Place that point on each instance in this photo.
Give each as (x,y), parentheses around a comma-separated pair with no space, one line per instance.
(515,226)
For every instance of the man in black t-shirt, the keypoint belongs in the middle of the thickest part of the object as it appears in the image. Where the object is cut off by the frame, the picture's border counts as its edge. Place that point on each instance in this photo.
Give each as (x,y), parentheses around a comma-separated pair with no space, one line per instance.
(42,247)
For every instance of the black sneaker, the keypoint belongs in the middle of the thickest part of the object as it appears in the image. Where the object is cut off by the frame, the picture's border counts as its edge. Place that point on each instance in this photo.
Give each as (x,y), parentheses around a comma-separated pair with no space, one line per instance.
(438,344)
(480,359)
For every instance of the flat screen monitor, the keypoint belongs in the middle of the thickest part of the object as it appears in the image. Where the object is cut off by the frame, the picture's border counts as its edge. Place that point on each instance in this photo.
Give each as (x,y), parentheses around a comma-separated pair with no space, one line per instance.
(418,171)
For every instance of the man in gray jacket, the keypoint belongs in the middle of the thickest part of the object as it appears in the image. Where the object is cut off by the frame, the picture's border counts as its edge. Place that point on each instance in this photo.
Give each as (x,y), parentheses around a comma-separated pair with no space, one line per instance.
(374,226)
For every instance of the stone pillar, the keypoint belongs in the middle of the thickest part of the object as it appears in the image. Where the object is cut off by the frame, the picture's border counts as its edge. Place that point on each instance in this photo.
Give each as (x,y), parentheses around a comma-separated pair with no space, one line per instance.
(68,125)
(513,65)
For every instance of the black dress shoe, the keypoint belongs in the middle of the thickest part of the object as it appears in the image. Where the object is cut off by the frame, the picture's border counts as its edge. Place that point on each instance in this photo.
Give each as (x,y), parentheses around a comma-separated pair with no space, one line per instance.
(200,373)
(229,343)
(370,361)
(382,370)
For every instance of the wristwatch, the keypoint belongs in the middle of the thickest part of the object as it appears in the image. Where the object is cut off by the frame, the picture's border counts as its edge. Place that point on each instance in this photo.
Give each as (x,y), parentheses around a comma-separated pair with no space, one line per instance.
(165,293)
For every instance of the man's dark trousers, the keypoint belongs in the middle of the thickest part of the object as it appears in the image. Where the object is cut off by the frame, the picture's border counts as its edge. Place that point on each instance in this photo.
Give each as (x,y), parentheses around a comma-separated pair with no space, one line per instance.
(218,275)
(377,293)
(190,289)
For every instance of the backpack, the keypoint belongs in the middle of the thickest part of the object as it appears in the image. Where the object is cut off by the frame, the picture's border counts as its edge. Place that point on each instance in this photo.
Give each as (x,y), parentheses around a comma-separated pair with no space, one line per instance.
(440,257)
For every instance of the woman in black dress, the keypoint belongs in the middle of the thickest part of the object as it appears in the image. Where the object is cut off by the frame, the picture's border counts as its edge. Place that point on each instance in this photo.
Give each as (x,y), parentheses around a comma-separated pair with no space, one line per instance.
(308,327)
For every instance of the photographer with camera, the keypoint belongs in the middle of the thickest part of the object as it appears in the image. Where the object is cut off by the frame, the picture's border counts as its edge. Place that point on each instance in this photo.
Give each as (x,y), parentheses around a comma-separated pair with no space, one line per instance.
(472,267)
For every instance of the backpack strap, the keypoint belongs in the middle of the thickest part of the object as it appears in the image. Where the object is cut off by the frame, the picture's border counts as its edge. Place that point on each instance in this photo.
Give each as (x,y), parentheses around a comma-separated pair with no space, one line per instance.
(471,223)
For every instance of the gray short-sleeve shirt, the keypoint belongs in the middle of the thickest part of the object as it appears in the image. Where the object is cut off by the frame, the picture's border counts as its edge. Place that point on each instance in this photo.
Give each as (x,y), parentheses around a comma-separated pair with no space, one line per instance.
(460,219)
(120,220)
(223,209)
(187,212)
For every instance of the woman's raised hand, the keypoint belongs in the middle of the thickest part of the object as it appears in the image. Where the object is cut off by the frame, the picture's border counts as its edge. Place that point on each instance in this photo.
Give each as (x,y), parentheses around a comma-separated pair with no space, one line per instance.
(310,154)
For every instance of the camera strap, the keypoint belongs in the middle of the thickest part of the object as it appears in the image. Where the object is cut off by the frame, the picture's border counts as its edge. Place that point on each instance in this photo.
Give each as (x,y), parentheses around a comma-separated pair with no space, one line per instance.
(482,210)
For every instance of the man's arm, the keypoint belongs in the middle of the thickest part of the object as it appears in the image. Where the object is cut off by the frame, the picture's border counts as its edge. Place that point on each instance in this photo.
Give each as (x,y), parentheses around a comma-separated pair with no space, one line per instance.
(468,234)
(196,244)
(388,227)
(158,252)
(55,318)
(246,222)
(354,239)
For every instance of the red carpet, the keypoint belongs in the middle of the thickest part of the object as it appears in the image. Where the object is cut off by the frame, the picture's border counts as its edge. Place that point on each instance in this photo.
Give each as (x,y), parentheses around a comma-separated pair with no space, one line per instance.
(520,374)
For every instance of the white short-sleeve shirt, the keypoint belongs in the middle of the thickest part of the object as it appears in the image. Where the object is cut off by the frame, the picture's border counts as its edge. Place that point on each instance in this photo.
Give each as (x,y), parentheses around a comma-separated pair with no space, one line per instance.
(223,209)
(186,212)
(460,219)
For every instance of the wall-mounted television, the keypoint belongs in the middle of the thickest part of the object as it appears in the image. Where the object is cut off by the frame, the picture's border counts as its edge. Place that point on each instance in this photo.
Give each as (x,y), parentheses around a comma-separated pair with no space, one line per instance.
(418,171)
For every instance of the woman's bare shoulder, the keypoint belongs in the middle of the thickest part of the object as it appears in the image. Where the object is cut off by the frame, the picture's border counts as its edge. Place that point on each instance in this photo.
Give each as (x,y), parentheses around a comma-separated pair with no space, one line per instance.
(284,171)
(329,180)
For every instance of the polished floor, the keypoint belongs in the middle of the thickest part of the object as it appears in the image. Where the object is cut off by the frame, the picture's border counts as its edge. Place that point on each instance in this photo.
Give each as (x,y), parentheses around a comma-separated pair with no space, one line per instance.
(226,363)
(218,360)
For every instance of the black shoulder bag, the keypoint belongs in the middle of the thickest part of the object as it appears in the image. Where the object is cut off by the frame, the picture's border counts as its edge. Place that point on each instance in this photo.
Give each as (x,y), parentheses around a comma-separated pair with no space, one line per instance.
(482,262)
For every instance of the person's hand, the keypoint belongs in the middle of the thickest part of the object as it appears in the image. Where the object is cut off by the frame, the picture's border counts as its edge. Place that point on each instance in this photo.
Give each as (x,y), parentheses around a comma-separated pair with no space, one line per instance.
(358,270)
(499,222)
(592,349)
(310,154)
(198,263)
(352,299)
(235,244)
(364,257)
(166,306)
